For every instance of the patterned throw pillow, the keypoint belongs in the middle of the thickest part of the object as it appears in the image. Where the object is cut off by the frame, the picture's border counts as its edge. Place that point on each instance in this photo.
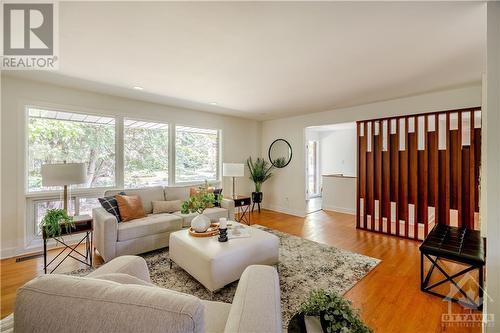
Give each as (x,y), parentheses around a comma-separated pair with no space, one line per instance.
(111,206)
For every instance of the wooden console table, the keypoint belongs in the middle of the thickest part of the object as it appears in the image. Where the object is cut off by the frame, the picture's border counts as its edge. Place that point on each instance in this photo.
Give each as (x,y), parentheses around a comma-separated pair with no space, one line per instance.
(83,224)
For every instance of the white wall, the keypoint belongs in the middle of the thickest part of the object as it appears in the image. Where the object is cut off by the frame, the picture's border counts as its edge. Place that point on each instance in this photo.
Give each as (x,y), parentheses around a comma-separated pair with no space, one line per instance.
(490,179)
(338,152)
(240,139)
(339,194)
(285,191)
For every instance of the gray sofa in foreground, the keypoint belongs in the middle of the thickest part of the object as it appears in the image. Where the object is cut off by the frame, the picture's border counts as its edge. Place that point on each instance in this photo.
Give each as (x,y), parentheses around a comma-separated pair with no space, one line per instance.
(113,239)
(119,297)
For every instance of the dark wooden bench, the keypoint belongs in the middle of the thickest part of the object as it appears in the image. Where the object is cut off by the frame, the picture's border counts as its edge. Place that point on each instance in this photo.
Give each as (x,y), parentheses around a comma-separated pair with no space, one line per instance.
(454,244)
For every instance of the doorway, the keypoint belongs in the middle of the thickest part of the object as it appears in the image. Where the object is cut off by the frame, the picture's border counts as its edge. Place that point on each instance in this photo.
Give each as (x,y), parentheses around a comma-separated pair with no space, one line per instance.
(330,167)
(313,186)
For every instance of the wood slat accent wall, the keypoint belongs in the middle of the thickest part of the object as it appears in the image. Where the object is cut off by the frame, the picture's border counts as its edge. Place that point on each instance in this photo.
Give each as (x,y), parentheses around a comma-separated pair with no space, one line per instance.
(418,170)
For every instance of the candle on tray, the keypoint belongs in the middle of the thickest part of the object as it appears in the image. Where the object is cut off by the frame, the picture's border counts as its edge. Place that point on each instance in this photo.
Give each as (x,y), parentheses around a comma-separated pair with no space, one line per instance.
(222,223)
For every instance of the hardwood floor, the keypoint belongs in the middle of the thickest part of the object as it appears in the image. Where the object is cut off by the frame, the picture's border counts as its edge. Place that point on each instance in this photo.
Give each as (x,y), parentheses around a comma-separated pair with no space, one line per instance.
(389,297)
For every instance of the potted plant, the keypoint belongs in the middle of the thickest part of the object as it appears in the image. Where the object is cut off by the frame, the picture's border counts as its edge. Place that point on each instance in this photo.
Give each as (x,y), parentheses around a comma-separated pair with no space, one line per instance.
(260,171)
(335,313)
(53,222)
(197,203)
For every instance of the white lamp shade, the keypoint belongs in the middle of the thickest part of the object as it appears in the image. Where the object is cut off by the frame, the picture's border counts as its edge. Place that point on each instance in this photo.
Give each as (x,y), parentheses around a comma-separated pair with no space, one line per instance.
(233,169)
(63,174)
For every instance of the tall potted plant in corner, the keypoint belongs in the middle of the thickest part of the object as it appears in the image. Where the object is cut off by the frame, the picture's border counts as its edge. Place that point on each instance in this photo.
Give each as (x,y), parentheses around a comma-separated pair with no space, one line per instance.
(260,171)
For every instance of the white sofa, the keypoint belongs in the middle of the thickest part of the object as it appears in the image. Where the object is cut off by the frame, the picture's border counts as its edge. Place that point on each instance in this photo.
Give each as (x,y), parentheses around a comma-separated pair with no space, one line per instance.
(113,239)
(119,297)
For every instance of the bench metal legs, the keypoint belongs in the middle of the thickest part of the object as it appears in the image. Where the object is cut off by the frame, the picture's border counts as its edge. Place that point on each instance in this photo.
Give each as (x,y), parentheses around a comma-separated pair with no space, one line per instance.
(425,287)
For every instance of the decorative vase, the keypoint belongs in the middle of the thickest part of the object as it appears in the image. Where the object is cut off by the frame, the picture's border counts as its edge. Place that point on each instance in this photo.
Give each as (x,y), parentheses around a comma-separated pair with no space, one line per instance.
(200,223)
(257,197)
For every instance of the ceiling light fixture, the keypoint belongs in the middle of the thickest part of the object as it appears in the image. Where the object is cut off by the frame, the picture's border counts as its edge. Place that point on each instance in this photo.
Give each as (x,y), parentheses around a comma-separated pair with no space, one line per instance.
(213,103)
(138,88)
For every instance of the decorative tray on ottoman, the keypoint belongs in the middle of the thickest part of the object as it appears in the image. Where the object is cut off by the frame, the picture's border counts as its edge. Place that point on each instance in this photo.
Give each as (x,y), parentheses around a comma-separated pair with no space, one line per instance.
(211,231)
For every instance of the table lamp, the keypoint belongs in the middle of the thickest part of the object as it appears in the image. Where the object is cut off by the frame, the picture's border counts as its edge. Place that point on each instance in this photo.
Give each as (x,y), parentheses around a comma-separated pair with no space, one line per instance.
(64,174)
(233,170)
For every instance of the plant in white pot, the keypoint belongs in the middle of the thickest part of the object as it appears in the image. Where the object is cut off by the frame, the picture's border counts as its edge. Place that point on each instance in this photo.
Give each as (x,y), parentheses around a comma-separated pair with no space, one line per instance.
(260,171)
(197,203)
(335,313)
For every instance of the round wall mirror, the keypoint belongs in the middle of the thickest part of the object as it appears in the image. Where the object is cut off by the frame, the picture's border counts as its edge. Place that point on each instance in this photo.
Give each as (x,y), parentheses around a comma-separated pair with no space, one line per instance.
(280,153)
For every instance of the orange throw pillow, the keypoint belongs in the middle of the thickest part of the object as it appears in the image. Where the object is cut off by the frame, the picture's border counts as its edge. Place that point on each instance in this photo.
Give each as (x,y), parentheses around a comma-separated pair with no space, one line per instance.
(130,207)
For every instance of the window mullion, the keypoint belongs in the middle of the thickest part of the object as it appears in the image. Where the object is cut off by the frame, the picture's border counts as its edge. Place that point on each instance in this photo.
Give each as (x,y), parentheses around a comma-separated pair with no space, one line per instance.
(171,152)
(119,155)
(77,204)
(219,156)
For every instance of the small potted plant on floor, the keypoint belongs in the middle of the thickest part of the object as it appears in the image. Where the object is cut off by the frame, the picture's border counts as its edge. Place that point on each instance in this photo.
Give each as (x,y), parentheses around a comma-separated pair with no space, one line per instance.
(335,313)
(53,222)
(197,203)
(260,171)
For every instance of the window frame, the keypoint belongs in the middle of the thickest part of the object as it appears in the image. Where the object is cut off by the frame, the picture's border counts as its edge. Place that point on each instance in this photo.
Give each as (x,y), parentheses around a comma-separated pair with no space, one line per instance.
(174,155)
(169,147)
(47,193)
(27,211)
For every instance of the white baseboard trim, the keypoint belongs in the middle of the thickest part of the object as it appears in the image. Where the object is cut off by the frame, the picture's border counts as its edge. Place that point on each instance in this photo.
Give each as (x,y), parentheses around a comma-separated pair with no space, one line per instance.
(339,209)
(8,252)
(284,210)
(37,247)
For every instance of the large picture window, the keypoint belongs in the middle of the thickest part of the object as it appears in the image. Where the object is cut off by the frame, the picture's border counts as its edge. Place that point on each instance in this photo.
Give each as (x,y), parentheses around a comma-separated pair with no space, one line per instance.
(196,154)
(145,153)
(101,142)
(55,137)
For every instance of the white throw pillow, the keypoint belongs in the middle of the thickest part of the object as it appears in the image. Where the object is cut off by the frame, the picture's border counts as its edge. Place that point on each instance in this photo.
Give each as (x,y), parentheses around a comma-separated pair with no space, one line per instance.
(166,206)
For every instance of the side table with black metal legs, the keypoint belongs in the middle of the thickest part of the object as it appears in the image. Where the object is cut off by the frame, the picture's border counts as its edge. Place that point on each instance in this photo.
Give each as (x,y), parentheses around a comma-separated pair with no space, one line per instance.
(242,206)
(83,224)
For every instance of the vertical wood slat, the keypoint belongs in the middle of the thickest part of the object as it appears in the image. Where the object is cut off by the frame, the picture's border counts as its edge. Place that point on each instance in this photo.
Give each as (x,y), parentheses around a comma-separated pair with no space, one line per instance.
(365,173)
(447,196)
(472,180)
(387,177)
(380,174)
(362,171)
(425,210)
(436,169)
(358,169)
(369,174)
(405,180)
(415,178)
(459,170)
(372,172)
(396,176)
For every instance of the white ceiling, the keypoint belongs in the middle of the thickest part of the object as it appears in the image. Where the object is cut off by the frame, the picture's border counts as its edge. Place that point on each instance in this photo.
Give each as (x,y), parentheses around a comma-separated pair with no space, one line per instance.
(265,60)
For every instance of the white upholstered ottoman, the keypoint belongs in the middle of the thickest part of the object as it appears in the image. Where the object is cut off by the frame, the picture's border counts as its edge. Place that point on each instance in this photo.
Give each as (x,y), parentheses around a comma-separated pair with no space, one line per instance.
(215,264)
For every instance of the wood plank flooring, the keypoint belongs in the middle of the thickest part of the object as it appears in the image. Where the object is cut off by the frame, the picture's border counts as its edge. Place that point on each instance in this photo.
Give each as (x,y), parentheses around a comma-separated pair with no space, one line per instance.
(389,297)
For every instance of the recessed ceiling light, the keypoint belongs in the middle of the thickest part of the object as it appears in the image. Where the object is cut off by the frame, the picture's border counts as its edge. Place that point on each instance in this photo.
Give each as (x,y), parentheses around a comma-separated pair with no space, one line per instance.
(213,103)
(138,88)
